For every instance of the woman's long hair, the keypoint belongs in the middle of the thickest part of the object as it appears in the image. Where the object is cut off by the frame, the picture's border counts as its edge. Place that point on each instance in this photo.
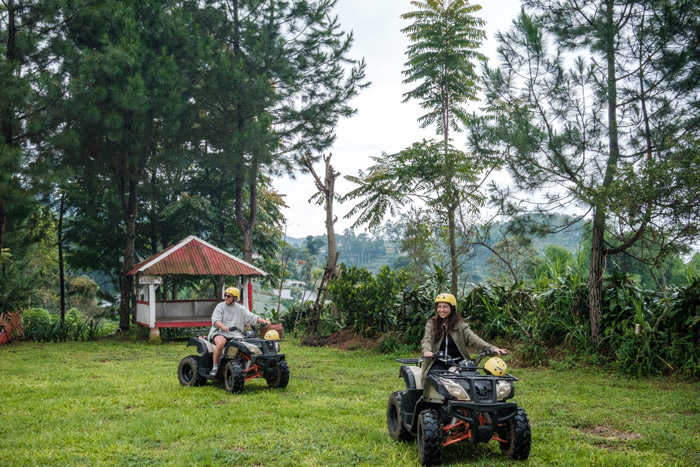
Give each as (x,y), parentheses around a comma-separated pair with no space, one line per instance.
(450,322)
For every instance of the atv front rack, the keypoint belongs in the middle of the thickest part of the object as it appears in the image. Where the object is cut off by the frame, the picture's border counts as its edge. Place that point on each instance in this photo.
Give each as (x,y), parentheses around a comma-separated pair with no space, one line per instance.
(481,420)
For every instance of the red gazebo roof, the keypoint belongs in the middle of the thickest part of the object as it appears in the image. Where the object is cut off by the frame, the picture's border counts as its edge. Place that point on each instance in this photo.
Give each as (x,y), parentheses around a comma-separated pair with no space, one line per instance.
(194,256)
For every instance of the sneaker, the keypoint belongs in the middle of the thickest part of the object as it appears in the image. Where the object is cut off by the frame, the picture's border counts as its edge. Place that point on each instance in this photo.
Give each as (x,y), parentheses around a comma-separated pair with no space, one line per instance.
(213,372)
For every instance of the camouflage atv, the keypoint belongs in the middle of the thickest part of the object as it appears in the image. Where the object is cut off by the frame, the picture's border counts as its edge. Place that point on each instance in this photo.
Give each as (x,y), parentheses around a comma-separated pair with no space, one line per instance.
(243,359)
(462,403)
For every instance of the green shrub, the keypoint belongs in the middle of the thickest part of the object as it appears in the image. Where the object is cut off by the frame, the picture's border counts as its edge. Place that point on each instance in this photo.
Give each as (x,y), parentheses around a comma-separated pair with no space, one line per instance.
(42,326)
(366,302)
(296,317)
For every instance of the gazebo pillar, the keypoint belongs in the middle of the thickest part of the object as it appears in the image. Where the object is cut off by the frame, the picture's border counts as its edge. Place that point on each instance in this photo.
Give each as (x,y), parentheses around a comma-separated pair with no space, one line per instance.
(152,282)
(244,286)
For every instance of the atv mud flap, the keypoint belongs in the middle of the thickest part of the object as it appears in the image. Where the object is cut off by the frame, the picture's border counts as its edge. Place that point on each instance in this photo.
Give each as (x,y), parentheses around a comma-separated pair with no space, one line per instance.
(409,397)
(472,414)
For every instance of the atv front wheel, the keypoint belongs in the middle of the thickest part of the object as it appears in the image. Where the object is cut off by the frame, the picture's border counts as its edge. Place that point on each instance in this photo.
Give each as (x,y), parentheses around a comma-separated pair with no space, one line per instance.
(397,430)
(429,438)
(517,434)
(188,372)
(280,378)
(233,377)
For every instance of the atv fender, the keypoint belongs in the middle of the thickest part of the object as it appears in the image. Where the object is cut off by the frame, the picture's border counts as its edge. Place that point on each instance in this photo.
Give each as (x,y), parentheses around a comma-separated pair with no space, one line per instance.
(412,376)
(203,345)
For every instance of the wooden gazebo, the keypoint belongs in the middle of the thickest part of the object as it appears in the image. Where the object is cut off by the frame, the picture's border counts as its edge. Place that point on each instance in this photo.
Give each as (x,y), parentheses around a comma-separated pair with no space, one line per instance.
(191,256)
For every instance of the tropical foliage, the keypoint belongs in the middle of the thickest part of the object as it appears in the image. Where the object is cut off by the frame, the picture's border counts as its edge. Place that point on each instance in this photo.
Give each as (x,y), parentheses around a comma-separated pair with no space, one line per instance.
(42,326)
(646,332)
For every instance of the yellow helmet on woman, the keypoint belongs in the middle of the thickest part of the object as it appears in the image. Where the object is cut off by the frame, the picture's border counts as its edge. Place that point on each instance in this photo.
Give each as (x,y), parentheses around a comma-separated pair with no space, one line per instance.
(446,298)
(495,366)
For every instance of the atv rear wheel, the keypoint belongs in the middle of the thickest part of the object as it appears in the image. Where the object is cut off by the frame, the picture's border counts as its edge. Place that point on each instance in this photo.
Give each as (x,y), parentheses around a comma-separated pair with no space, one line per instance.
(394,422)
(233,377)
(517,434)
(188,372)
(429,438)
(280,378)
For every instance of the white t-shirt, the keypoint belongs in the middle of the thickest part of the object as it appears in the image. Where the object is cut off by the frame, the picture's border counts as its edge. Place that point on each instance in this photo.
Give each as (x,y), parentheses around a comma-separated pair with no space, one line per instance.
(234,315)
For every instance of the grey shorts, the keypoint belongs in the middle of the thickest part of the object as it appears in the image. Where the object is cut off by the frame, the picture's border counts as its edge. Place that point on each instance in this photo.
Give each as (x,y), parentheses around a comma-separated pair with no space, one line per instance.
(228,335)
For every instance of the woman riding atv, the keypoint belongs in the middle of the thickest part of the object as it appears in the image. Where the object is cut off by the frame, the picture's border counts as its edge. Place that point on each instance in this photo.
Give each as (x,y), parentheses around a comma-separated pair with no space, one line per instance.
(448,332)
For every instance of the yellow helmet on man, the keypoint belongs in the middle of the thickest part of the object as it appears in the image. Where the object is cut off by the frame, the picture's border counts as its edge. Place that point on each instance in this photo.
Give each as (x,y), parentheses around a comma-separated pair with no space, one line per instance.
(233,291)
(446,298)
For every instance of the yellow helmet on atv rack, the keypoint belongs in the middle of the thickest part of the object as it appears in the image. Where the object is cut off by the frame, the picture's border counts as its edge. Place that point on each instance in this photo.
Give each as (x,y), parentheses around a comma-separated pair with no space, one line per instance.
(233,291)
(446,298)
(272,335)
(495,366)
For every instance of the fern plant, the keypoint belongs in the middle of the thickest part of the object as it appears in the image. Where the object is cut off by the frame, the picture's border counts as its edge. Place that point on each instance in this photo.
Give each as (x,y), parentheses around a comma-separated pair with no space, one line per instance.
(11,324)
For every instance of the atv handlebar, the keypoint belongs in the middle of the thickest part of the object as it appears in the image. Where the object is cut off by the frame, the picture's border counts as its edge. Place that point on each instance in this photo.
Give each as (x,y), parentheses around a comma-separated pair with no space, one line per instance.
(447,359)
(443,357)
(485,353)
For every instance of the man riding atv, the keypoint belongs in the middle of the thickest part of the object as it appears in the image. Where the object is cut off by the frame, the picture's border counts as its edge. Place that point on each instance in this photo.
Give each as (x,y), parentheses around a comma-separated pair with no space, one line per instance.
(243,356)
(228,319)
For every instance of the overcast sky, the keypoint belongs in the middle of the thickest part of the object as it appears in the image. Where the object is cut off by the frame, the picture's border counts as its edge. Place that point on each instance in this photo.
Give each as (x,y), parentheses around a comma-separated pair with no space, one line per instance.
(382,123)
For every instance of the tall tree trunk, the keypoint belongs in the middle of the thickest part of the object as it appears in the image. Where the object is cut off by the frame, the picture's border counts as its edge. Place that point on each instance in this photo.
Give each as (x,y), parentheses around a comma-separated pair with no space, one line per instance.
(597,269)
(61,272)
(454,260)
(6,115)
(595,275)
(329,193)
(126,281)
(246,224)
(3,223)
(153,217)
(327,188)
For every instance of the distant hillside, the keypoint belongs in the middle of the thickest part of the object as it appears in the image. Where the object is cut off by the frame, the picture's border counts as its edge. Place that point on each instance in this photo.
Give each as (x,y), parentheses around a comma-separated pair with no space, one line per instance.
(298,242)
(373,253)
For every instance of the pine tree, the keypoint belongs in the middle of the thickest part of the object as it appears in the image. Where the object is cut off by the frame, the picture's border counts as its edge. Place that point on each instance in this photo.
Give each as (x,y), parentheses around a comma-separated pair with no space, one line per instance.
(129,96)
(592,106)
(274,91)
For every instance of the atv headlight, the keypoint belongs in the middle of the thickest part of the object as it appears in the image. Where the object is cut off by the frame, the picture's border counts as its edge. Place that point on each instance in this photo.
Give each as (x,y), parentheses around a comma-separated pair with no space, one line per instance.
(455,390)
(503,390)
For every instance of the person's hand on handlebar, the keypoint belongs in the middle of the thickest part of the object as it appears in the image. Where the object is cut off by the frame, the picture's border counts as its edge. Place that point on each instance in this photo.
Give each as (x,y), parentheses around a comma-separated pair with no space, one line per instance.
(428,354)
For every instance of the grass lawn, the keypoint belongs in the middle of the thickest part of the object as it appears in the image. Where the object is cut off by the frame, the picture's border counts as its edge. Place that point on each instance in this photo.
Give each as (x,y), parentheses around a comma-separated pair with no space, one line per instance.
(120,403)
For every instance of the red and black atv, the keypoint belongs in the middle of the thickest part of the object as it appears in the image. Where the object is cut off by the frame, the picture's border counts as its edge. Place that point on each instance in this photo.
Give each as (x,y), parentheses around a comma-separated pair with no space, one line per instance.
(243,359)
(457,404)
